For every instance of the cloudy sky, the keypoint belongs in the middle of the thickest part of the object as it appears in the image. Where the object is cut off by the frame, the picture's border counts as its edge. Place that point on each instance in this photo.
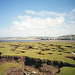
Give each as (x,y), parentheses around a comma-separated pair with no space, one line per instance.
(37,18)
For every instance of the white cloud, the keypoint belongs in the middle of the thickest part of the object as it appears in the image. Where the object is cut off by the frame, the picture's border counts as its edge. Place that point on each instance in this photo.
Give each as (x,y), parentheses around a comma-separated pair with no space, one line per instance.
(44,13)
(72,11)
(73,22)
(55,21)
(71,14)
(60,24)
(37,22)
(30,12)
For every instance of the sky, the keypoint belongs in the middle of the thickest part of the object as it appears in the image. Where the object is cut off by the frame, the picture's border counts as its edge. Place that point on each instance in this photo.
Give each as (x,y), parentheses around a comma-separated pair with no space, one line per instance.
(21,18)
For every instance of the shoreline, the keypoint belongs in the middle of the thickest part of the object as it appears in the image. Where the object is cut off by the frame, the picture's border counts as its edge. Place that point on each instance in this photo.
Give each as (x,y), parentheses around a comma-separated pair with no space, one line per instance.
(33,40)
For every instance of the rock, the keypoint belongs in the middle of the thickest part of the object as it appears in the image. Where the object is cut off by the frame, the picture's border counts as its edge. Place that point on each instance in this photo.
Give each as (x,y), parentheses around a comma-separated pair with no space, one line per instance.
(73,53)
(33,72)
(41,69)
(44,61)
(14,71)
(27,69)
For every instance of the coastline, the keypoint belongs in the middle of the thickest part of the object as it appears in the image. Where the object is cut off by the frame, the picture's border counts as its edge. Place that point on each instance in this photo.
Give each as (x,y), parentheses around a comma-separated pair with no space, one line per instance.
(33,40)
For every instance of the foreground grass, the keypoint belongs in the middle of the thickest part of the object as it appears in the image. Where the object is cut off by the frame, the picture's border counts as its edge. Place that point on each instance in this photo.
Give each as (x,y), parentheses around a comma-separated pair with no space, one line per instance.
(67,71)
(6,66)
(43,50)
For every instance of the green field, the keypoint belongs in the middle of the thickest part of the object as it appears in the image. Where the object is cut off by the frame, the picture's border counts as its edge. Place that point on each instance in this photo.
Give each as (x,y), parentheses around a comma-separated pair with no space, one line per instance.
(67,71)
(6,66)
(44,50)
(52,51)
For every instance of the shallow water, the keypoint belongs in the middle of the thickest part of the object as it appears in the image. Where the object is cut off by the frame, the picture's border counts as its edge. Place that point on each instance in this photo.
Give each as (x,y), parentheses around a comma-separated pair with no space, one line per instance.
(37,40)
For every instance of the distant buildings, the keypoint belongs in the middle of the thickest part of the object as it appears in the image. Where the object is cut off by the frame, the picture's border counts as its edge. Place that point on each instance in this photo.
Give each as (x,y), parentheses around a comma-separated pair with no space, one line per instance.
(49,38)
(67,37)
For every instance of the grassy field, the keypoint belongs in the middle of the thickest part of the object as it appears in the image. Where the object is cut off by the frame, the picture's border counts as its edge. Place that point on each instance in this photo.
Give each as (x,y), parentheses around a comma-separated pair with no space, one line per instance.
(67,71)
(6,66)
(47,50)
(44,50)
